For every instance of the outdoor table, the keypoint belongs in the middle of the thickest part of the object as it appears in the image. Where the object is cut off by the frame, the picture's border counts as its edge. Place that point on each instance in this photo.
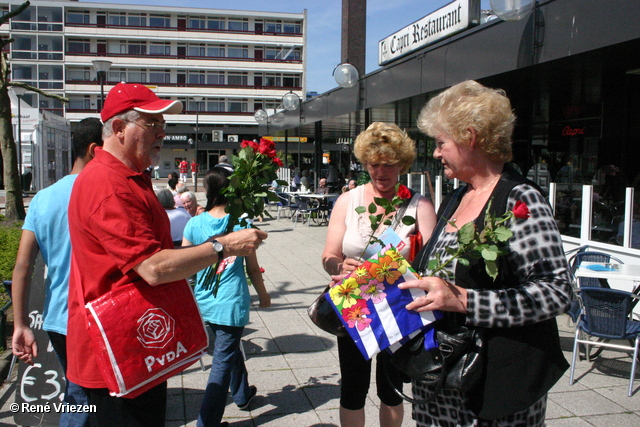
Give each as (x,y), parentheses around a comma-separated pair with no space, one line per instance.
(613,275)
(321,204)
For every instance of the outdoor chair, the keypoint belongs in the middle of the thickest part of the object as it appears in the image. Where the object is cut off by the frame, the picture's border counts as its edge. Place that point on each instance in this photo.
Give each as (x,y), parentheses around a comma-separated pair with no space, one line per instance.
(606,316)
(306,209)
(285,204)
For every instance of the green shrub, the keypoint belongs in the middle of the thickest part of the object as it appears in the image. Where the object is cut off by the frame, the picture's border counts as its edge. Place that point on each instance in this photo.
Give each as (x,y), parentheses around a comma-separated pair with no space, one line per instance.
(10,232)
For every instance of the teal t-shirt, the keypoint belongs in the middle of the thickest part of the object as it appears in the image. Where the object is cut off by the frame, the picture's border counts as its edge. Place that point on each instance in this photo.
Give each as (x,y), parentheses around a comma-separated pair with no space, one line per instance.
(231,306)
(47,219)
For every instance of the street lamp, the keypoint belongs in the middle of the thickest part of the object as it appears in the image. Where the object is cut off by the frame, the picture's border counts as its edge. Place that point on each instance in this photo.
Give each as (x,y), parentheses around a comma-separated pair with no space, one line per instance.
(346,75)
(101,66)
(19,92)
(290,102)
(198,100)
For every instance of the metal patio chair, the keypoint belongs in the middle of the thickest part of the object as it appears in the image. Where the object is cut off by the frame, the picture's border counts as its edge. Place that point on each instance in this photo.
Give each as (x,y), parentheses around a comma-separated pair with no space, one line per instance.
(606,316)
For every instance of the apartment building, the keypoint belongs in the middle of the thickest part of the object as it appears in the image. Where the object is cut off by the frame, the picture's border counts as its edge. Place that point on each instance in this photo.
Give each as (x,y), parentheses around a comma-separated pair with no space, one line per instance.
(222,64)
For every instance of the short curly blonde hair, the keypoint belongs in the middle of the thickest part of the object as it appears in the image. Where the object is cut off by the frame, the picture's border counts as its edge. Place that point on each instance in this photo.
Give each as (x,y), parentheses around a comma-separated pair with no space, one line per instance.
(385,143)
(472,105)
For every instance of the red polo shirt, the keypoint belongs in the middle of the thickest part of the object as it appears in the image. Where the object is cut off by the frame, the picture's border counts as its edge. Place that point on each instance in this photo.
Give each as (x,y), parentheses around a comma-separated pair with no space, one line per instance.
(184,166)
(115,223)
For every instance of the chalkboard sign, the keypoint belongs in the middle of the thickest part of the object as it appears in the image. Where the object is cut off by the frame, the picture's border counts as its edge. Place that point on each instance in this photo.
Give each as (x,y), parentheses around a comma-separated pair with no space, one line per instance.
(39,387)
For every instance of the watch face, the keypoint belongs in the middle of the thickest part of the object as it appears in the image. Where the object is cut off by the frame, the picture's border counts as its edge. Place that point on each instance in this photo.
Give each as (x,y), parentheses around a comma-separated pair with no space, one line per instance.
(217,246)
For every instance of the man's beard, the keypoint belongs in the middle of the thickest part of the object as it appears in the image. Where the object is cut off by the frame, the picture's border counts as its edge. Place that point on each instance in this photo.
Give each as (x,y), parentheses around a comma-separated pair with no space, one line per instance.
(155,159)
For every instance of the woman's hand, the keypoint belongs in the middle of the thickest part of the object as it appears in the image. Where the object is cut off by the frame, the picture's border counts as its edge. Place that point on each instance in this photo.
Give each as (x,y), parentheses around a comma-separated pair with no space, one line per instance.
(441,295)
(349,265)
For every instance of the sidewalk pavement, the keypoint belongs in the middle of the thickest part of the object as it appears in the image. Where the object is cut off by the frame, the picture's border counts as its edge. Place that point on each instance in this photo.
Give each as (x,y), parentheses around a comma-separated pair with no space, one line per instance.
(295,365)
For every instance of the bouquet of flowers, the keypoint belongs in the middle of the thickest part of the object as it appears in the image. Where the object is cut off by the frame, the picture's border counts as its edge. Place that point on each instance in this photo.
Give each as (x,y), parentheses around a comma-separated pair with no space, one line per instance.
(254,169)
(372,307)
(488,243)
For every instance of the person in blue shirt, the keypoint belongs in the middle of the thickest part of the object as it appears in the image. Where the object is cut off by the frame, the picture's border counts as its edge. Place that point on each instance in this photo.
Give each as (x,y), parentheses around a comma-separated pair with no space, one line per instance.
(227,313)
(46,230)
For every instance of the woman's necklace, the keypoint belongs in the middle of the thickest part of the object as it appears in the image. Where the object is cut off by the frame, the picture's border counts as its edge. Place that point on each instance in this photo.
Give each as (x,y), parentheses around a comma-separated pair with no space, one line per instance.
(482,190)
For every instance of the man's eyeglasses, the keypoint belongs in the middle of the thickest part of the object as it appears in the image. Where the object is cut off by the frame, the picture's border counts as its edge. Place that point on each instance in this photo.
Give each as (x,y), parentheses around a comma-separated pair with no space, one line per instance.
(153,126)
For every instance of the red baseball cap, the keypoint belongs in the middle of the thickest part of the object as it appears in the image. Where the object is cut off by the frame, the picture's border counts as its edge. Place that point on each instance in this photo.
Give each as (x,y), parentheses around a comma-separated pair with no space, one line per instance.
(132,96)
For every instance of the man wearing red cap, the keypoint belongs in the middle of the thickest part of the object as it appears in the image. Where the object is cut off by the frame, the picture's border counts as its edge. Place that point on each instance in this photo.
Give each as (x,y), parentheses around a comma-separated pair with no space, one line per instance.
(120,234)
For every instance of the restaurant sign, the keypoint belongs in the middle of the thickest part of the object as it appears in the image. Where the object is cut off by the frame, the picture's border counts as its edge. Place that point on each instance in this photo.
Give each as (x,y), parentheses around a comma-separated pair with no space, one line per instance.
(446,21)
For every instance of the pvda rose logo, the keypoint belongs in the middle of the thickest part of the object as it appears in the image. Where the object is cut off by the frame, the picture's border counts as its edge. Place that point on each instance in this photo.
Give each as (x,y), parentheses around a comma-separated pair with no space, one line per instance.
(155,328)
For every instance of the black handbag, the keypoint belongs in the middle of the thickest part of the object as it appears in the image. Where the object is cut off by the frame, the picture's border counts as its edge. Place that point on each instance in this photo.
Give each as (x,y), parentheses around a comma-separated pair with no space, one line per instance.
(456,363)
(458,360)
(323,315)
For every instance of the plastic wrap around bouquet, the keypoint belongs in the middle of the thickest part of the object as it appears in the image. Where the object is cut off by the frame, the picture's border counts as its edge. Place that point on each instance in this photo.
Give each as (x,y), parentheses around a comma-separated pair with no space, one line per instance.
(372,307)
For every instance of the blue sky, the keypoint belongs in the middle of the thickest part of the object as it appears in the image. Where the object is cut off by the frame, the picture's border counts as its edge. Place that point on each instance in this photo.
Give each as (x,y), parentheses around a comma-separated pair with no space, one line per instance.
(384,17)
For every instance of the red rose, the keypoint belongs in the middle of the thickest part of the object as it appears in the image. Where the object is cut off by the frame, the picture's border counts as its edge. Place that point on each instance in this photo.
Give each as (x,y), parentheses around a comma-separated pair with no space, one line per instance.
(261,270)
(277,161)
(403,192)
(521,210)
(251,144)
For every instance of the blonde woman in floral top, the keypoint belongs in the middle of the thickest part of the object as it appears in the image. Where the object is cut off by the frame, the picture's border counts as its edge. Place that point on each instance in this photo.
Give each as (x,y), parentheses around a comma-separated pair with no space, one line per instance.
(386,151)
(472,127)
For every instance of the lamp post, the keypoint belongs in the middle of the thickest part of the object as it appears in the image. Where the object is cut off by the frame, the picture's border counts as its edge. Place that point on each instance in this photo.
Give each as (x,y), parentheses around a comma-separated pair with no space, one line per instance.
(290,102)
(198,100)
(19,92)
(101,66)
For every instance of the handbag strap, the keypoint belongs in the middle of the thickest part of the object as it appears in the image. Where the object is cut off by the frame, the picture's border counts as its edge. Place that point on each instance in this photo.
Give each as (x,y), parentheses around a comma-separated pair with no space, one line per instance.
(425,253)
(438,384)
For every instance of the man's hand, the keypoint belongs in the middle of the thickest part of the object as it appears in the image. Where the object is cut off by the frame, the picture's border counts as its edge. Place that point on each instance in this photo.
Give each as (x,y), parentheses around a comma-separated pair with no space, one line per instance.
(24,344)
(243,242)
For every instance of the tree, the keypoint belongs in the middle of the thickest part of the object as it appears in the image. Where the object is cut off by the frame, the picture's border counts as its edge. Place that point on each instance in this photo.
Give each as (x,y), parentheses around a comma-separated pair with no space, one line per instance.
(14,205)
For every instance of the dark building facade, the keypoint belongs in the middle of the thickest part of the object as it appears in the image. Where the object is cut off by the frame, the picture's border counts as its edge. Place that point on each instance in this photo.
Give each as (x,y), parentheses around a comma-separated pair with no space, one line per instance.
(572,71)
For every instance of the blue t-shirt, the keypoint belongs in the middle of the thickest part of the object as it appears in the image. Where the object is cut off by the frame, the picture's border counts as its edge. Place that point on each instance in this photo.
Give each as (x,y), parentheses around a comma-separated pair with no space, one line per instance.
(47,219)
(231,306)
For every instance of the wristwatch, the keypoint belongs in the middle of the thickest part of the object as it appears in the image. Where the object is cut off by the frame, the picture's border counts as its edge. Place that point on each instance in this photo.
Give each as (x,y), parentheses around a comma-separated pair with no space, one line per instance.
(219,248)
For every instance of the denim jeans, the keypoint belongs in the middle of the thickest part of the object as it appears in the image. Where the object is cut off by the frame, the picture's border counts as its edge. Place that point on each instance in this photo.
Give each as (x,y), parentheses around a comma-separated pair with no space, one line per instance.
(227,372)
(73,393)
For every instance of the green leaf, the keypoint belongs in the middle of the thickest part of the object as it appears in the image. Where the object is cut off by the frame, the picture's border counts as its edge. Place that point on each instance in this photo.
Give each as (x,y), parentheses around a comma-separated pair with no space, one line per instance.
(492,269)
(502,233)
(387,221)
(373,208)
(433,264)
(381,201)
(361,210)
(463,261)
(408,220)
(489,254)
(467,233)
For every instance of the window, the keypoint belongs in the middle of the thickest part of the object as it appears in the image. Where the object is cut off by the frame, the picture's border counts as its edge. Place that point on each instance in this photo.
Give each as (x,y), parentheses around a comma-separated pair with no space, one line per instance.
(159,21)
(238,26)
(238,52)
(134,48)
(79,74)
(138,20)
(160,76)
(238,106)
(196,50)
(160,49)
(272,80)
(137,77)
(273,27)
(237,79)
(117,18)
(23,72)
(291,28)
(79,103)
(215,105)
(78,17)
(79,46)
(215,51)
(272,53)
(216,24)
(290,81)
(196,77)
(215,78)
(116,75)
(197,23)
